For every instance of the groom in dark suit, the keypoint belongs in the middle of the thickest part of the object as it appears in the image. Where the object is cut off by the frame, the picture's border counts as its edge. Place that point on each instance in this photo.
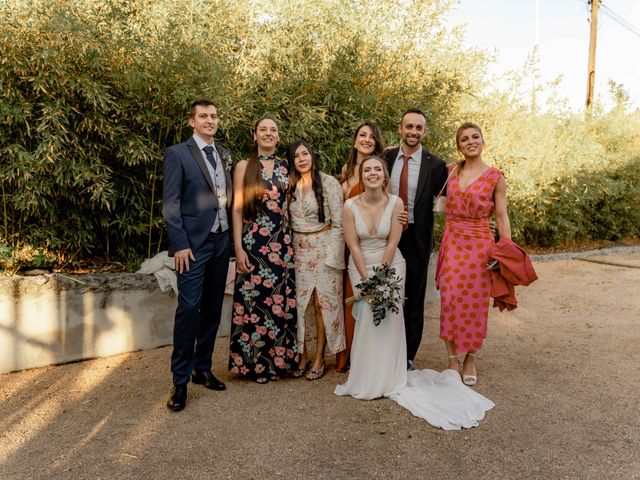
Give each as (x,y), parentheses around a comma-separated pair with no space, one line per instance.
(196,198)
(416,176)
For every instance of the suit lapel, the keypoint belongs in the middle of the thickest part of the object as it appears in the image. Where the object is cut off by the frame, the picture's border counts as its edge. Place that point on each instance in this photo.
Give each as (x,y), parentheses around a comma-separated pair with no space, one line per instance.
(425,171)
(390,157)
(195,151)
(227,174)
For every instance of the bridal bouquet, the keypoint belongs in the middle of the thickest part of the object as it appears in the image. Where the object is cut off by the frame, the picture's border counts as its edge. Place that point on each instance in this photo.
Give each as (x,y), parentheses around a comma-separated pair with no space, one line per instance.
(382,291)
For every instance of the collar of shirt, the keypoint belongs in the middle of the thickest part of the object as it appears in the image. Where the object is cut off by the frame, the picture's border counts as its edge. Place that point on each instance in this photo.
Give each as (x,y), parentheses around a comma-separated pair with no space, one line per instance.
(415,156)
(201,143)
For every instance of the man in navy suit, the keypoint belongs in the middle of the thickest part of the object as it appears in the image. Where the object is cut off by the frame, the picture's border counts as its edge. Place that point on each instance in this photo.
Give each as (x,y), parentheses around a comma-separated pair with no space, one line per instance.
(416,176)
(196,199)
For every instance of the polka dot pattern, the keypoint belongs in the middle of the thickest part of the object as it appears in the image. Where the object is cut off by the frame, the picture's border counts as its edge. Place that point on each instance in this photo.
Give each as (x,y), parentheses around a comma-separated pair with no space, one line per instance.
(464,283)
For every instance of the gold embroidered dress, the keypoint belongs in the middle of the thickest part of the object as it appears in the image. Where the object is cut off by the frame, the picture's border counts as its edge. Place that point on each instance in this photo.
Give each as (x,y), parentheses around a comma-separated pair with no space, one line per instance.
(319,259)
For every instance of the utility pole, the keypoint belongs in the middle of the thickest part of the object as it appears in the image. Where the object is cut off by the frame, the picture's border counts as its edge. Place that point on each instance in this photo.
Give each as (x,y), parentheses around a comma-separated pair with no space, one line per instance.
(536,50)
(595,6)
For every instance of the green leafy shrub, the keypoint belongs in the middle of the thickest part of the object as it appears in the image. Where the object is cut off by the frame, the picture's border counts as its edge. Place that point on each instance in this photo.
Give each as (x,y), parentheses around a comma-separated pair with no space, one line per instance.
(93,92)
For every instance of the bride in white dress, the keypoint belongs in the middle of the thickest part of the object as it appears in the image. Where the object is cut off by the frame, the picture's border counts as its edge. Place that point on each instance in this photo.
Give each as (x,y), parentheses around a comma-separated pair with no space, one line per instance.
(378,355)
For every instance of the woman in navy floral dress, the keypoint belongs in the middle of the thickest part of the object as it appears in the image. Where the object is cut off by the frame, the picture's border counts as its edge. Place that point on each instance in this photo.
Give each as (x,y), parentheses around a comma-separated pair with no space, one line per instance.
(264,323)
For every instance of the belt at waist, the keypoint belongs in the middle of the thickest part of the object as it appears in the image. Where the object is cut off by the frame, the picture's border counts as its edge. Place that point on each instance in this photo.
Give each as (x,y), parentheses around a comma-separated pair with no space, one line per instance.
(475,222)
(324,229)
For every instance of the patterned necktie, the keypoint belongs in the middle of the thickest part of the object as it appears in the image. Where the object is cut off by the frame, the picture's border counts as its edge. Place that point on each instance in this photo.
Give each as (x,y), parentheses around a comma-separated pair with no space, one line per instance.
(403,189)
(208,150)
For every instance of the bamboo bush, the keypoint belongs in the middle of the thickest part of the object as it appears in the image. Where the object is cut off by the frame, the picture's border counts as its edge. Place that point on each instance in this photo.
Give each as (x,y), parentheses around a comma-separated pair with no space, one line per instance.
(93,92)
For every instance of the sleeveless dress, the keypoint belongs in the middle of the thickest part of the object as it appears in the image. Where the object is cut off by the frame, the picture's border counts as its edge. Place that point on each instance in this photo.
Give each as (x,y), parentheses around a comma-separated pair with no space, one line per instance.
(263,340)
(461,276)
(378,355)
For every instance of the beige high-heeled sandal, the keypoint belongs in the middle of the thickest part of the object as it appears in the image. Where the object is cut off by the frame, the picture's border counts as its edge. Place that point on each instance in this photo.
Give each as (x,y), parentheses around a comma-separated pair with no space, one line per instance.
(470,380)
(458,359)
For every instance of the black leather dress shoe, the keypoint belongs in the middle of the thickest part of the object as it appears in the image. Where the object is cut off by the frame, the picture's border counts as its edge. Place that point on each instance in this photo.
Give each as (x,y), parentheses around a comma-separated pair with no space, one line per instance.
(177,398)
(208,379)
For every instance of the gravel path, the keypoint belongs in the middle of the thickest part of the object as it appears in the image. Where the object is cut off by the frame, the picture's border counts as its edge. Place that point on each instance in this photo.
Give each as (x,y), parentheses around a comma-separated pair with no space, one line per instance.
(563,370)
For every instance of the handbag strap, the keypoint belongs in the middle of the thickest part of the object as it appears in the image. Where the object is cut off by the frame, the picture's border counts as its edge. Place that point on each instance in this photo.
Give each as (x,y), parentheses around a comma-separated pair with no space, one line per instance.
(453,170)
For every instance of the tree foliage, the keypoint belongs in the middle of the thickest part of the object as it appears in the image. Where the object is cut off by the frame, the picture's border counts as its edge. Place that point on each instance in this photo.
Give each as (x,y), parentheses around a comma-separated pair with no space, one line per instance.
(94,91)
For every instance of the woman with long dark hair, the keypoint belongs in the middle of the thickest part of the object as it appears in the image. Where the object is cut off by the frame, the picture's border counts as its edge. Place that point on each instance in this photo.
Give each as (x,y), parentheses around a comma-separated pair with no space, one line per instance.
(367,141)
(316,218)
(264,323)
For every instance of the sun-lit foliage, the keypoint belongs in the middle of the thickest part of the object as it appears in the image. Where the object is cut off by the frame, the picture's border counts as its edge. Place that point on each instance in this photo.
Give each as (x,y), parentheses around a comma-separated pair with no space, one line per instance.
(94,91)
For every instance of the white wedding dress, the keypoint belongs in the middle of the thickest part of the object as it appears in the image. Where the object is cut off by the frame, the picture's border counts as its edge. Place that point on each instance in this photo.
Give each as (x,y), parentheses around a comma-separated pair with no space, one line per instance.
(379,357)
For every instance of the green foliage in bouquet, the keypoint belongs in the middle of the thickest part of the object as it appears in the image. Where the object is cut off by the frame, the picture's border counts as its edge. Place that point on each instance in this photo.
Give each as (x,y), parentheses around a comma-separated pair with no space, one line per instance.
(382,291)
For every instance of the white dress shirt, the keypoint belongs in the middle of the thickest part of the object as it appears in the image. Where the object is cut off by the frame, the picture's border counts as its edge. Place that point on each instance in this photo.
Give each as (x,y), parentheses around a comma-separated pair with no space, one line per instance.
(414,172)
(219,181)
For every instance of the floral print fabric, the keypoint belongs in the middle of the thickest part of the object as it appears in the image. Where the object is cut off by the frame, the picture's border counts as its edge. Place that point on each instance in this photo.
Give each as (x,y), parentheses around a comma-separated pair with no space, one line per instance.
(319,260)
(264,322)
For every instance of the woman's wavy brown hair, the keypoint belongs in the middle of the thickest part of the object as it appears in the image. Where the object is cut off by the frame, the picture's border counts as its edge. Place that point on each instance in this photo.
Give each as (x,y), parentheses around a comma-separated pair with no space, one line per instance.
(349,167)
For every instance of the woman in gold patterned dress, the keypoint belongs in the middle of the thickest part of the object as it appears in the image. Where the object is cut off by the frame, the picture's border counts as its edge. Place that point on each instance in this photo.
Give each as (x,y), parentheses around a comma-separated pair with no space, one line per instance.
(316,218)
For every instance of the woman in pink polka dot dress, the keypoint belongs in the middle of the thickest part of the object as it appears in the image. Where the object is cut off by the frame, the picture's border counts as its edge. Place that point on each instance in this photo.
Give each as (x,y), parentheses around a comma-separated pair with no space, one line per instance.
(475,190)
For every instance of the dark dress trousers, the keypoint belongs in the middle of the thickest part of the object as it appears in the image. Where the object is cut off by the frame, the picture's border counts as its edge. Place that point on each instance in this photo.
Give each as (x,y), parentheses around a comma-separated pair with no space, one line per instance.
(417,243)
(190,206)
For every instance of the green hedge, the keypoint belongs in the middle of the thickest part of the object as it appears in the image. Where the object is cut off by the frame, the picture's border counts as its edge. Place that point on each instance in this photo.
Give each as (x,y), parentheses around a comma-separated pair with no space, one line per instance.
(93,92)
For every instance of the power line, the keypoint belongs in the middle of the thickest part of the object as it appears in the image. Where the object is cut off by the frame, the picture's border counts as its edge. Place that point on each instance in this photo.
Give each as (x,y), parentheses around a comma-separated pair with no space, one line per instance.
(620,20)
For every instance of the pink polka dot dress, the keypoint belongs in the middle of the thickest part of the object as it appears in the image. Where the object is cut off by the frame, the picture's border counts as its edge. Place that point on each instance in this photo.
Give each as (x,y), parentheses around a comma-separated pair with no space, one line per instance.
(461,276)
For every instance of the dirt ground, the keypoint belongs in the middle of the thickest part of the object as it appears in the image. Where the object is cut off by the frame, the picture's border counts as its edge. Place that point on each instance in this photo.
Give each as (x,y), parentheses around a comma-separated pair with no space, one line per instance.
(563,370)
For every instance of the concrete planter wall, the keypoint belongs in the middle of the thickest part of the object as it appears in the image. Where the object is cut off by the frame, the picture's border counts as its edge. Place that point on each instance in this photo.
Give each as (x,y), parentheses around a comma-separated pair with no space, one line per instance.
(49,319)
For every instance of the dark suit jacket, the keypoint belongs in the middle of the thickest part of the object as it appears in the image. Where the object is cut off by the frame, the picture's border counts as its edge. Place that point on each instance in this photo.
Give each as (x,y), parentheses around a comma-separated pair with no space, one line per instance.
(189,202)
(433,175)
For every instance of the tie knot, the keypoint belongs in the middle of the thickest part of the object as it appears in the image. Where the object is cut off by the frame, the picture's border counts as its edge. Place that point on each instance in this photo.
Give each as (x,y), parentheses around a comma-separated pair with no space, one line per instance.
(406,158)
(208,149)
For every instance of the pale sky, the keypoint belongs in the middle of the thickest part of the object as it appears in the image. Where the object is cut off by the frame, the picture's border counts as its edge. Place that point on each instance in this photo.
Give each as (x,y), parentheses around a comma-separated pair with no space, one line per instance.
(508,27)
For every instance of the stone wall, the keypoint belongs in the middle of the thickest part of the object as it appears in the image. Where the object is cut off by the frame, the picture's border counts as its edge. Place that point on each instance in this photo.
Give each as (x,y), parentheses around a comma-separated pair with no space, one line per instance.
(50,319)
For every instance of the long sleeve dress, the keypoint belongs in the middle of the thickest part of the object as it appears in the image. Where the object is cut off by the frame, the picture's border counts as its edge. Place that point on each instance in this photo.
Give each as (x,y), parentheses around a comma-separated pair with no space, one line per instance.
(319,260)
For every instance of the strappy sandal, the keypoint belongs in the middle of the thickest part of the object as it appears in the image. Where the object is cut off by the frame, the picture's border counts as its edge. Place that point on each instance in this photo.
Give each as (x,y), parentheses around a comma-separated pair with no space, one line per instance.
(262,380)
(470,380)
(274,378)
(300,371)
(316,374)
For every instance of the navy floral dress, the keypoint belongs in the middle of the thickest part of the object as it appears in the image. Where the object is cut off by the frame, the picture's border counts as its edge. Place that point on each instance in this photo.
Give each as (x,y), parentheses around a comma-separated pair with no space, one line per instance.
(264,324)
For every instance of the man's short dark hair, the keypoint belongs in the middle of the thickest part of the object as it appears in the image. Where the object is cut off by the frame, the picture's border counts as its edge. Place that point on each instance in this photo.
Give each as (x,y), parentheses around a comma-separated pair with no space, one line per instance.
(202,102)
(413,110)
